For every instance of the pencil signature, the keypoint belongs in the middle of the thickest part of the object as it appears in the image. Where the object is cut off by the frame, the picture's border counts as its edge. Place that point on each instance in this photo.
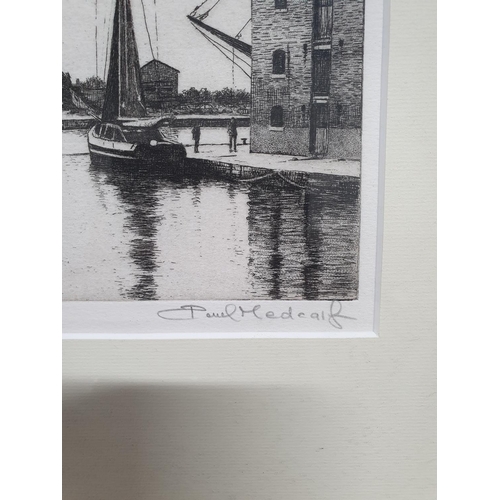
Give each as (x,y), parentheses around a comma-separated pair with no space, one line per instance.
(237,313)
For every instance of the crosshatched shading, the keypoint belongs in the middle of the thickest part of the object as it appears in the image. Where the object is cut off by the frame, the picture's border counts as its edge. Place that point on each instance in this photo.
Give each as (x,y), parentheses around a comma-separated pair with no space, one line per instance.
(174,192)
(130,235)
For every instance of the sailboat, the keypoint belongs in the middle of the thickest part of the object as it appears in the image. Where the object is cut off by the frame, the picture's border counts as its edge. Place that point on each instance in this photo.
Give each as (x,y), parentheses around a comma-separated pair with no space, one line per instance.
(124,135)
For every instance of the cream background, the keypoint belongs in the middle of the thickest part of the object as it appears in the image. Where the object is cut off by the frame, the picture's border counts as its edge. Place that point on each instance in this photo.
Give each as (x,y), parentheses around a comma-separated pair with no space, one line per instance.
(284,419)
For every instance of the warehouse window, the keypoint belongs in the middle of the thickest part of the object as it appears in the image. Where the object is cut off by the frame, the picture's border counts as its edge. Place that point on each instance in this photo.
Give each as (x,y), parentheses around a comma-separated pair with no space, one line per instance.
(279,62)
(280,4)
(277,116)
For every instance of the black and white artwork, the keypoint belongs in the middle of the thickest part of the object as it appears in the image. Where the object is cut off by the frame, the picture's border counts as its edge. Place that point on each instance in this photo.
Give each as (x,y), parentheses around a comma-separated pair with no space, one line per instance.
(214,150)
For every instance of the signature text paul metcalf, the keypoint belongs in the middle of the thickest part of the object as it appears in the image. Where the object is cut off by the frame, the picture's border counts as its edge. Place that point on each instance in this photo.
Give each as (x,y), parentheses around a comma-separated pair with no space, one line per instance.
(238,313)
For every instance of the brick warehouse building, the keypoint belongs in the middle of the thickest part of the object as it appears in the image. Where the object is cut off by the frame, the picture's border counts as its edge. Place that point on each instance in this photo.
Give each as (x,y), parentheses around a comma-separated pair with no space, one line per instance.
(160,83)
(307,70)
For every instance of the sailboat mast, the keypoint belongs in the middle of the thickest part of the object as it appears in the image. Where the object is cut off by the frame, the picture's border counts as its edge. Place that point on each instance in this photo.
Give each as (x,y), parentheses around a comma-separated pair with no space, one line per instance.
(96,44)
(124,94)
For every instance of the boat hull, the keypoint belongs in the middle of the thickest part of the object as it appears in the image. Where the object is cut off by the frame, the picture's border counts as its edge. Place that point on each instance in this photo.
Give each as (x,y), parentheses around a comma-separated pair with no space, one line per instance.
(174,157)
(160,155)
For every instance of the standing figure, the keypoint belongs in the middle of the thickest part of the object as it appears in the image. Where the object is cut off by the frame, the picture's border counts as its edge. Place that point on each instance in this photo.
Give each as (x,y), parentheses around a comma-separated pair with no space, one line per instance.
(232,131)
(196,131)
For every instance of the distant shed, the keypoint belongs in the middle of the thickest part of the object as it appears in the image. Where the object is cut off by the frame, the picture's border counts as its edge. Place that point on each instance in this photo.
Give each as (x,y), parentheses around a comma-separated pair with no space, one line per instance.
(160,83)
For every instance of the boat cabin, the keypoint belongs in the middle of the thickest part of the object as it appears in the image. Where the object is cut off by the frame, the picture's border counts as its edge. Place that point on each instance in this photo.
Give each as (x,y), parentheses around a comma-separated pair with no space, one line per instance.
(134,135)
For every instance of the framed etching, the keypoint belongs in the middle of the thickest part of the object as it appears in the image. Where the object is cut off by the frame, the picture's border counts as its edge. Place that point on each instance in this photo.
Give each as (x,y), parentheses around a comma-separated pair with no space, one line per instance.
(222,168)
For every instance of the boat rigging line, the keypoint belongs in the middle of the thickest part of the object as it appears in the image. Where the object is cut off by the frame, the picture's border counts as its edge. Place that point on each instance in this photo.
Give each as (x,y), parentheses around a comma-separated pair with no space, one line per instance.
(196,19)
(233,68)
(110,29)
(96,44)
(207,13)
(195,10)
(81,104)
(238,35)
(228,50)
(214,42)
(147,29)
(216,45)
(151,47)
(157,37)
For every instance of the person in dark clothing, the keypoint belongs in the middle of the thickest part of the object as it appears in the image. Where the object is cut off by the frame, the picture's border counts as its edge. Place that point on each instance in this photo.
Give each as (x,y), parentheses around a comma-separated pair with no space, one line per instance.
(232,131)
(196,136)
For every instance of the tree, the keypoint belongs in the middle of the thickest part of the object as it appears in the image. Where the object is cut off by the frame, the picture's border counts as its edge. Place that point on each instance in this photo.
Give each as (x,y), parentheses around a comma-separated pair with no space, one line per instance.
(224,96)
(204,101)
(191,94)
(242,96)
(67,85)
(94,83)
(205,95)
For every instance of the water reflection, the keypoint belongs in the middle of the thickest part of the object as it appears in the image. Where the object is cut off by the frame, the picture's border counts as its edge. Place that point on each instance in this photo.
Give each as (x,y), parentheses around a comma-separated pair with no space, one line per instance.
(303,244)
(183,237)
(140,193)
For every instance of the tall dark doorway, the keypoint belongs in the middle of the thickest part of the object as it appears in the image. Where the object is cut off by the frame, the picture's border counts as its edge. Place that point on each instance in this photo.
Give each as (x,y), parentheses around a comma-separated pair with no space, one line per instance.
(322,68)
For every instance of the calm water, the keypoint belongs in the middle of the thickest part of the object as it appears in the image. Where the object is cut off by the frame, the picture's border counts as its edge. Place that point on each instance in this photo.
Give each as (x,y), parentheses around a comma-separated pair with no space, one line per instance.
(131,237)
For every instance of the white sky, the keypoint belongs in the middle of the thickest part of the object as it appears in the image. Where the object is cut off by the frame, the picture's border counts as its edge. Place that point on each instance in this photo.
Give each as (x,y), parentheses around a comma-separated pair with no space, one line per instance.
(180,45)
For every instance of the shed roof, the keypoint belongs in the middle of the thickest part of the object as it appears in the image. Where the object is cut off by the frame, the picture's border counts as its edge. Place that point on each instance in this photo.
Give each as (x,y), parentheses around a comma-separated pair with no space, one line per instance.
(159,63)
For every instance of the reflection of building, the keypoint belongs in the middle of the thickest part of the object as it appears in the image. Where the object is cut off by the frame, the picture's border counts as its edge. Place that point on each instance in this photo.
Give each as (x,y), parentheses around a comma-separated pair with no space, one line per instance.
(307,61)
(160,83)
(304,244)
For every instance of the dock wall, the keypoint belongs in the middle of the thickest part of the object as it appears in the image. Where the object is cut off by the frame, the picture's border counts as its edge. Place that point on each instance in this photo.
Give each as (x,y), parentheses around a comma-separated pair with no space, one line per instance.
(180,121)
(210,121)
(247,173)
(78,124)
